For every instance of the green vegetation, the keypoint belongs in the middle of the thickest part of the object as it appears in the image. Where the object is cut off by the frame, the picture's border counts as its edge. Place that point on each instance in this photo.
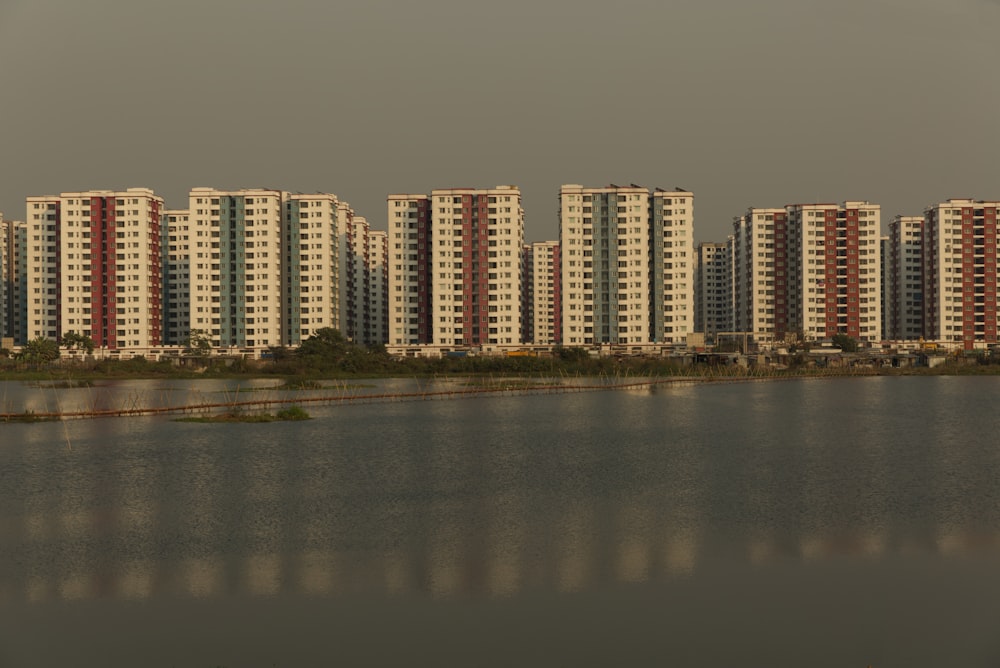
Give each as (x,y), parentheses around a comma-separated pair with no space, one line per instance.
(327,355)
(846,343)
(198,343)
(39,351)
(72,341)
(292,413)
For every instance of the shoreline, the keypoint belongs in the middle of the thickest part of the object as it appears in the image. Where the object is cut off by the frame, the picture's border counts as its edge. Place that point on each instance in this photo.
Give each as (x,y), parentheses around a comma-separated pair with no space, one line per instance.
(513,385)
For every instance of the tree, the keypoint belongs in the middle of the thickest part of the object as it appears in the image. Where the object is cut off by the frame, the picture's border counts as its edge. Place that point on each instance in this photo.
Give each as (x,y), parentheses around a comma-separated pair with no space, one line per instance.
(198,343)
(40,351)
(327,344)
(846,343)
(73,341)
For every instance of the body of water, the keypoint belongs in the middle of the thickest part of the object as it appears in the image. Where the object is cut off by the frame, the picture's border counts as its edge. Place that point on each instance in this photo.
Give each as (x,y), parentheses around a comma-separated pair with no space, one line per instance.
(835,522)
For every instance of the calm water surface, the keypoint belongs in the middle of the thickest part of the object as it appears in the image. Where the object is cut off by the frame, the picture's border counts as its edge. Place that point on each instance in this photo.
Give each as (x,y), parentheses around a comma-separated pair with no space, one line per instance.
(840,522)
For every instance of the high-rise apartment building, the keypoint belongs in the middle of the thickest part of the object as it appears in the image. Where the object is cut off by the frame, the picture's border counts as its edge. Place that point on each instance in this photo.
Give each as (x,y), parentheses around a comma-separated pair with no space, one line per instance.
(542,294)
(17,286)
(455,267)
(672,265)
(235,264)
(9,277)
(713,288)
(316,227)
(362,298)
(93,266)
(378,295)
(903,278)
(409,240)
(607,251)
(177,276)
(960,272)
(762,275)
(263,266)
(628,265)
(836,253)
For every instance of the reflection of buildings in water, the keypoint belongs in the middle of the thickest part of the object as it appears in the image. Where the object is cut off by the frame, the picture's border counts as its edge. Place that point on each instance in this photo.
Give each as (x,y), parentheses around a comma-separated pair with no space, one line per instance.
(950,540)
(397,574)
(76,586)
(681,552)
(446,557)
(575,548)
(136,579)
(314,571)
(163,539)
(761,549)
(633,561)
(262,574)
(37,589)
(634,525)
(873,541)
(506,543)
(202,577)
(812,546)
(448,565)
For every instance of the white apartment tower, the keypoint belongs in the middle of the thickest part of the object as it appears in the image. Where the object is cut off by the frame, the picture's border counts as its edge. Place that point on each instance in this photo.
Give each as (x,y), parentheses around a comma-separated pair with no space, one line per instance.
(235,267)
(903,279)
(455,267)
(378,286)
(312,265)
(359,313)
(542,293)
(607,251)
(628,265)
(93,267)
(177,277)
(673,258)
(762,275)
(713,288)
(476,266)
(409,240)
(264,266)
(836,252)
(960,272)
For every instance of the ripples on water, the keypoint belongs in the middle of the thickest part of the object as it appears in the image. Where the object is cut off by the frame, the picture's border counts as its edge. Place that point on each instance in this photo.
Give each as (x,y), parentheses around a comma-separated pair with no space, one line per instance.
(626,528)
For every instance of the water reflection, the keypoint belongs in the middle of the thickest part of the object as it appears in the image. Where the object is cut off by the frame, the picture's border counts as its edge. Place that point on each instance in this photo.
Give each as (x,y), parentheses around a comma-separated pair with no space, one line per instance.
(491,499)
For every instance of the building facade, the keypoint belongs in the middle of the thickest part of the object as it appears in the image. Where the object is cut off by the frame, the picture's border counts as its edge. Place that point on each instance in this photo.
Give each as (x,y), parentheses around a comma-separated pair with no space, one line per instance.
(316,227)
(177,277)
(235,260)
(409,239)
(93,266)
(960,272)
(455,267)
(903,279)
(378,296)
(835,251)
(542,294)
(628,265)
(12,277)
(713,288)
(762,275)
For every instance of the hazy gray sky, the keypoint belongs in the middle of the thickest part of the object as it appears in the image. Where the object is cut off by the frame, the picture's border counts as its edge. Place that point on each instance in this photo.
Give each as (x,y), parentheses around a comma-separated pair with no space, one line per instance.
(747,103)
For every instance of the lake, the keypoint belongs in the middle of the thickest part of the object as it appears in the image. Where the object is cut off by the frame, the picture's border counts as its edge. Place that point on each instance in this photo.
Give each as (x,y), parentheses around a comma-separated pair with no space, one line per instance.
(821,522)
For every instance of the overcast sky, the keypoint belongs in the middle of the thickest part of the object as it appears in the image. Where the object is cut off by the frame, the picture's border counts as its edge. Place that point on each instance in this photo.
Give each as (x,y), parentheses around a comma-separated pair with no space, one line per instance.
(744,102)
